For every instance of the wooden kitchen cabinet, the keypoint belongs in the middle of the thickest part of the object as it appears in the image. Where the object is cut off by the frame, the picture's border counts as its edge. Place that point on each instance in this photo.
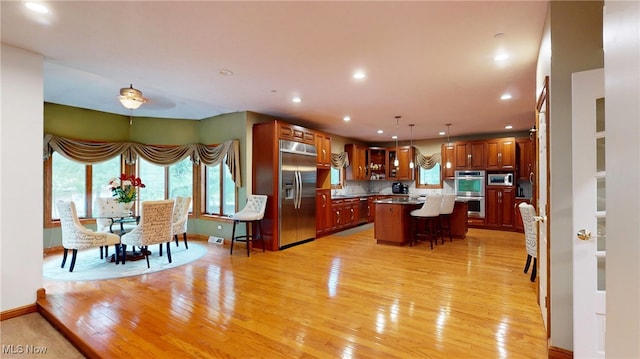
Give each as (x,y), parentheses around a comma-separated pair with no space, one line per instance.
(371,209)
(402,172)
(526,156)
(448,155)
(459,220)
(377,163)
(499,207)
(393,223)
(323,148)
(357,169)
(296,133)
(337,214)
(470,155)
(324,218)
(501,154)
(351,212)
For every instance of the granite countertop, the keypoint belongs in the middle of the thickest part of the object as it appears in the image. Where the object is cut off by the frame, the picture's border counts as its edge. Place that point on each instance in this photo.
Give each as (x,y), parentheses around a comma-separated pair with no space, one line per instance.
(360,195)
(401,200)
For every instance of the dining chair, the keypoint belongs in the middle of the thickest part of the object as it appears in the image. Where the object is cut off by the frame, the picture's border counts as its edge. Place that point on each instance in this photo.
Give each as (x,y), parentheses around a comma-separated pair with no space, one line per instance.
(180,219)
(429,214)
(106,210)
(75,236)
(253,212)
(446,209)
(528,212)
(154,228)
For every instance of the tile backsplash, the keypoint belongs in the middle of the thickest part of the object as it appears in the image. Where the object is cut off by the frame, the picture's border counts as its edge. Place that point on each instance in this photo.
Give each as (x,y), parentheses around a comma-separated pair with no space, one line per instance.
(384,187)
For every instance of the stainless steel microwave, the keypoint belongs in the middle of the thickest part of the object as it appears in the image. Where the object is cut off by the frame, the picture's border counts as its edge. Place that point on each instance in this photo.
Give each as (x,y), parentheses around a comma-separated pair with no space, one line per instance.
(500,179)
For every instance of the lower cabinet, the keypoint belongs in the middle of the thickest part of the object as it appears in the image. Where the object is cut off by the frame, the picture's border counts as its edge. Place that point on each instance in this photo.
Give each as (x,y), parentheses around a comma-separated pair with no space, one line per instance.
(499,207)
(324,218)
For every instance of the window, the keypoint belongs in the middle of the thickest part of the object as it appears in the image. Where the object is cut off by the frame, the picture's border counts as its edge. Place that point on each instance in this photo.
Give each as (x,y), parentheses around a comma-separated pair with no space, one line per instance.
(430,178)
(165,182)
(69,183)
(220,190)
(336,177)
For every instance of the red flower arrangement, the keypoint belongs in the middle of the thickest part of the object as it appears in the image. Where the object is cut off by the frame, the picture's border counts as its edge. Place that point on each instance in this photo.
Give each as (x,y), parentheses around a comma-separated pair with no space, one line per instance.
(124,187)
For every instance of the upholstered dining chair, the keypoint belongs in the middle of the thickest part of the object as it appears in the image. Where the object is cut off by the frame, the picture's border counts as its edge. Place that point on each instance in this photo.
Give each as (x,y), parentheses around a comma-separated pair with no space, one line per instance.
(253,212)
(154,228)
(446,209)
(528,212)
(429,214)
(106,209)
(179,220)
(75,236)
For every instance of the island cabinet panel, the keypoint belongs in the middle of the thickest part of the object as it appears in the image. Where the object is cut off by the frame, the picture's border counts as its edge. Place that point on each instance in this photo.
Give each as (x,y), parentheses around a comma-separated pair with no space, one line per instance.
(459,219)
(501,154)
(393,223)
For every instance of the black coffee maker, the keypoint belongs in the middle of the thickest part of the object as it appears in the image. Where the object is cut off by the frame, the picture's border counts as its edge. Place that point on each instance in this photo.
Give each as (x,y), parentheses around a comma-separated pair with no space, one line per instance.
(397,188)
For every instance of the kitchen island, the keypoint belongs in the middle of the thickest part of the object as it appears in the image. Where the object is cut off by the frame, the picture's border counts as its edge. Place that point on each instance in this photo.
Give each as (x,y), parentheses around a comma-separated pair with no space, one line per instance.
(393,220)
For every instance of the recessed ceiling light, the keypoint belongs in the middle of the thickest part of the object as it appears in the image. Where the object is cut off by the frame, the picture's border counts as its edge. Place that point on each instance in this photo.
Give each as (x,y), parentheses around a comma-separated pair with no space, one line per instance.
(358,75)
(346,118)
(37,7)
(296,99)
(394,137)
(506,96)
(508,127)
(380,132)
(442,133)
(501,57)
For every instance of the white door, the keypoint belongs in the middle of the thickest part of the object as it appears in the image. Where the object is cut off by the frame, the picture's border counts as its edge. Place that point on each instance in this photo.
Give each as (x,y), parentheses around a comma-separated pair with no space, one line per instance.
(589,214)
(541,205)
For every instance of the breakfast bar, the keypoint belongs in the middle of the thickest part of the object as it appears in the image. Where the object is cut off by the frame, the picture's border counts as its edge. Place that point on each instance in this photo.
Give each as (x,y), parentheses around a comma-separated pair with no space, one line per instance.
(392,223)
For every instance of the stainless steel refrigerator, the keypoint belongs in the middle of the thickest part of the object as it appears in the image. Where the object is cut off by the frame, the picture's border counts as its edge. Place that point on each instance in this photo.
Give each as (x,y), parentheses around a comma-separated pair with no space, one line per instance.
(297,202)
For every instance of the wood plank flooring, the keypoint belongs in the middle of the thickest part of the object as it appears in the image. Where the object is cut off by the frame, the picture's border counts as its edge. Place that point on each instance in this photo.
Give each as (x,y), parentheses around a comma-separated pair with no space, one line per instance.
(335,297)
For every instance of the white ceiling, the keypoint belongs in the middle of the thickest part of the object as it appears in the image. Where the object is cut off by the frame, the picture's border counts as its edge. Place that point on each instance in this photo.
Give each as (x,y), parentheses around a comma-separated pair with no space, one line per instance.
(430,62)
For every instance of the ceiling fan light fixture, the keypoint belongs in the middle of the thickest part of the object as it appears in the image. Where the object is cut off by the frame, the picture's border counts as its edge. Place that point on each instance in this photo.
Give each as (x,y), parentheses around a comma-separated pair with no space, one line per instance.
(131,98)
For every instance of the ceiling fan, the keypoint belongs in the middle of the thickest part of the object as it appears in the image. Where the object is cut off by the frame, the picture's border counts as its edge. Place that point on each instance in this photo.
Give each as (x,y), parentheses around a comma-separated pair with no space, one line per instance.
(131,98)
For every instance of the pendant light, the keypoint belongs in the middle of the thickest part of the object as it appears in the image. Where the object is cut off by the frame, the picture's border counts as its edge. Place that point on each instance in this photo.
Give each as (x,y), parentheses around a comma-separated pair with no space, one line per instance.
(411,165)
(449,145)
(396,162)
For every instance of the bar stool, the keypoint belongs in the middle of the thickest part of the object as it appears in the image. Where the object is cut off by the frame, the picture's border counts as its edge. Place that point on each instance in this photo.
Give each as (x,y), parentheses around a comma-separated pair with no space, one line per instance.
(429,213)
(448,202)
(253,211)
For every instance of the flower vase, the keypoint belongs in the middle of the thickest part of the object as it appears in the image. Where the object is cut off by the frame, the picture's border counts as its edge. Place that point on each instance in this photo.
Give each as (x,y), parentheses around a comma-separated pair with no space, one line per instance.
(126,206)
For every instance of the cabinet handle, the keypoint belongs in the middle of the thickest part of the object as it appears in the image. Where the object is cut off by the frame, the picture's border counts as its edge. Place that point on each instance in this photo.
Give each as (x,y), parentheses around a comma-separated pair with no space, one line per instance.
(338,217)
(500,158)
(531,177)
(352,214)
(469,160)
(324,154)
(324,200)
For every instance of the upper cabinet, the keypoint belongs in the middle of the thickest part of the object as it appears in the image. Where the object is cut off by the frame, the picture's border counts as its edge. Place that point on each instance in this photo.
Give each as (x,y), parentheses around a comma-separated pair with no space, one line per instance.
(357,169)
(377,163)
(526,155)
(401,172)
(501,154)
(296,133)
(448,155)
(470,155)
(323,148)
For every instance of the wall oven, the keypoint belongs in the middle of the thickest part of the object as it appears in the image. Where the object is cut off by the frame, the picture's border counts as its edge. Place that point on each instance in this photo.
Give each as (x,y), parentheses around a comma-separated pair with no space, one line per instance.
(469,187)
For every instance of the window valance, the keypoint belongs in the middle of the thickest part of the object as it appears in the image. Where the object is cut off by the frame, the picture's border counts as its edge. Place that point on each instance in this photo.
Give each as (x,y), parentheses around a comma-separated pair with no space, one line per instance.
(88,152)
(427,162)
(339,160)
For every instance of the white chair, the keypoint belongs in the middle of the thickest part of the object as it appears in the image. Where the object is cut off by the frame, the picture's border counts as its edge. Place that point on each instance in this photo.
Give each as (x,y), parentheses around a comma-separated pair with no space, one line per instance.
(446,209)
(154,228)
(252,212)
(528,212)
(430,214)
(75,236)
(106,209)
(179,220)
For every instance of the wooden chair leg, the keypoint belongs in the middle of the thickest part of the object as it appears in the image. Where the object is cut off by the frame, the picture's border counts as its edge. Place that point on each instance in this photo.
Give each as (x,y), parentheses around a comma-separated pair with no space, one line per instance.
(248,238)
(64,258)
(123,254)
(168,251)
(115,248)
(184,236)
(233,236)
(534,271)
(526,266)
(160,250)
(73,260)
(146,254)
(175,237)
(101,256)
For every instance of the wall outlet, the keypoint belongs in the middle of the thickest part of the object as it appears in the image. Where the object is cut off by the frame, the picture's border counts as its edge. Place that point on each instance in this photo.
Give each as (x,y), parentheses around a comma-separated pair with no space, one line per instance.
(219,226)
(216,240)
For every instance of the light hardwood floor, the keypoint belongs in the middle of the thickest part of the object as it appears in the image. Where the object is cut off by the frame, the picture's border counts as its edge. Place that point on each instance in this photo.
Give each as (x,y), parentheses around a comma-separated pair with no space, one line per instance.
(335,297)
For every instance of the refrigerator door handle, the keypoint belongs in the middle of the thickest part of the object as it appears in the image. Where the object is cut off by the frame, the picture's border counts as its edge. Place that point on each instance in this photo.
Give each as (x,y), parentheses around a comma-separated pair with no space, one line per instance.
(299,189)
(296,196)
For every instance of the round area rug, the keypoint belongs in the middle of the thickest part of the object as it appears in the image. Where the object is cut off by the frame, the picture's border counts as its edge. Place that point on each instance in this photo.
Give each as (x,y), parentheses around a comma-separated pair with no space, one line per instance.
(89,266)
